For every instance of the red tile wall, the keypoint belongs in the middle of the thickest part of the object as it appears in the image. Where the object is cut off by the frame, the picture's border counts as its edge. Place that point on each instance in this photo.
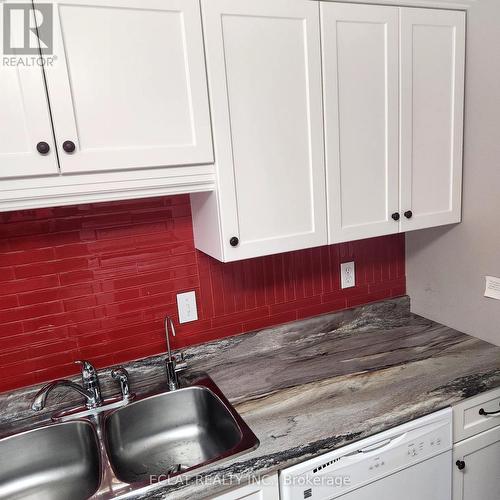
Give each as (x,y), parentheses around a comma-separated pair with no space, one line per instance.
(95,282)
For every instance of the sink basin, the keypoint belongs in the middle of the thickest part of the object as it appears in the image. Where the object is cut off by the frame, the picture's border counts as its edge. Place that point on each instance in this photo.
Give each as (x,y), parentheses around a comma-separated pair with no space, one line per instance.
(59,461)
(170,433)
(114,451)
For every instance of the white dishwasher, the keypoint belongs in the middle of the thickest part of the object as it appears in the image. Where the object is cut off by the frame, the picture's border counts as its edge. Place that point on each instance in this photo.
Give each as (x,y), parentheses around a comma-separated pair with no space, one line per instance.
(410,462)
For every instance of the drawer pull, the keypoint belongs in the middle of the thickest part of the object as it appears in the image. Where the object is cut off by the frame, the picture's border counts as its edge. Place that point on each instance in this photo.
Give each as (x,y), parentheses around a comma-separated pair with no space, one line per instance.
(485,413)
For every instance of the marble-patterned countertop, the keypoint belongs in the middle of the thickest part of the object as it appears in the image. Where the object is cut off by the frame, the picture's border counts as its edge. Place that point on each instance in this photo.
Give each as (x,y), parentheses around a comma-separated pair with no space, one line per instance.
(311,386)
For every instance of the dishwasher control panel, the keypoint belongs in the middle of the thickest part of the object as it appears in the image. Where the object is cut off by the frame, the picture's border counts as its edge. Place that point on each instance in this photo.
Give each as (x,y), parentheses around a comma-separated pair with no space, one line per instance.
(340,471)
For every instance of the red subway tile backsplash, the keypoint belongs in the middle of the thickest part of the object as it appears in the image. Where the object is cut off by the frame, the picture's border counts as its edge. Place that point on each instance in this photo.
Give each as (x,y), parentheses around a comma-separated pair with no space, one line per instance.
(95,281)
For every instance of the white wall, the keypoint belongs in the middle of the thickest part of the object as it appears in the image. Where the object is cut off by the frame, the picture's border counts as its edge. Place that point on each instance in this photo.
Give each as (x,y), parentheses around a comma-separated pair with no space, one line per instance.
(446,266)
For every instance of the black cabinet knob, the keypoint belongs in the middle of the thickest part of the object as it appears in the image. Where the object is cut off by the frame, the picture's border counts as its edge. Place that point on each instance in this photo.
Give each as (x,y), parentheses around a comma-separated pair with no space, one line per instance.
(408,214)
(395,216)
(234,241)
(69,146)
(460,464)
(43,148)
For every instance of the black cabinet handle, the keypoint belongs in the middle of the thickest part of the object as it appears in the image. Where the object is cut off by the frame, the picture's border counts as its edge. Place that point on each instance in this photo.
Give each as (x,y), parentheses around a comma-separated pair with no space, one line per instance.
(43,148)
(408,214)
(460,464)
(395,216)
(234,241)
(69,146)
(485,413)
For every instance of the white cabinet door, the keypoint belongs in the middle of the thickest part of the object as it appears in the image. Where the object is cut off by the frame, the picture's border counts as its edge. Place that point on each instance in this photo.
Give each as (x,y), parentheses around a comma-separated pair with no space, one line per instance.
(479,479)
(264,71)
(24,109)
(128,88)
(266,488)
(360,81)
(432,96)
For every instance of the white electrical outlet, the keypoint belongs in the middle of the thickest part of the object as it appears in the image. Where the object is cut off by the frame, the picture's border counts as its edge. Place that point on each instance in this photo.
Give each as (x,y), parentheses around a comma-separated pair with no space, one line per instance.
(347,275)
(186,306)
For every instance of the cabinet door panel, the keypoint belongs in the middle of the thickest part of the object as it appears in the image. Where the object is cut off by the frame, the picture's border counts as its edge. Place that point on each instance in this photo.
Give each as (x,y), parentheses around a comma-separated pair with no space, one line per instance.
(432,94)
(25,118)
(264,72)
(129,86)
(480,479)
(360,81)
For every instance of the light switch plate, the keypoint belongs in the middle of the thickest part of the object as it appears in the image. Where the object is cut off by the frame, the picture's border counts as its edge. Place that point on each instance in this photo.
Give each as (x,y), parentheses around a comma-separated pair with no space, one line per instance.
(186,306)
(347,275)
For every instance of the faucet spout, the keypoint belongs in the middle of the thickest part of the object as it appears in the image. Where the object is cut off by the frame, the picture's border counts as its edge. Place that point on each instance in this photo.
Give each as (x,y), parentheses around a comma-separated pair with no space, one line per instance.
(41,396)
(169,323)
(173,363)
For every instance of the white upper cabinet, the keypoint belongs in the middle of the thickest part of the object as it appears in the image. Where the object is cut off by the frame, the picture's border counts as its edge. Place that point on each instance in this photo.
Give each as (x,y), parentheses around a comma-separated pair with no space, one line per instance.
(393,82)
(432,96)
(331,121)
(128,89)
(25,117)
(360,84)
(264,71)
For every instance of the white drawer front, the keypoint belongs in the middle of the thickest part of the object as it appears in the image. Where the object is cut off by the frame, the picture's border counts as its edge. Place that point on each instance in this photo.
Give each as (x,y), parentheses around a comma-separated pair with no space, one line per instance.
(467,419)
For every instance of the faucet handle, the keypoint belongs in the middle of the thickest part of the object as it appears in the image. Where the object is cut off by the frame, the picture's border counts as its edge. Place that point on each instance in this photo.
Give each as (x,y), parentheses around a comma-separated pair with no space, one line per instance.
(88,370)
(180,363)
(121,376)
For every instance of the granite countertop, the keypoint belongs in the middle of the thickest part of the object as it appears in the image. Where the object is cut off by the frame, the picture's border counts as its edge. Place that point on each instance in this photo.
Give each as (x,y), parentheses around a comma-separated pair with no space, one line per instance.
(311,386)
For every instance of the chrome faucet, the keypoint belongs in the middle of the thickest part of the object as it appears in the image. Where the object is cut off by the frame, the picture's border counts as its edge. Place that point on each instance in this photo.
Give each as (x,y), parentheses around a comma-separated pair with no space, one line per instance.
(173,364)
(89,389)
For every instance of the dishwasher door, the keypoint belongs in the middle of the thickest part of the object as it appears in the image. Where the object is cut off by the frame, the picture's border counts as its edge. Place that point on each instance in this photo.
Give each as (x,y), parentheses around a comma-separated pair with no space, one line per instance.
(429,480)
(412,461)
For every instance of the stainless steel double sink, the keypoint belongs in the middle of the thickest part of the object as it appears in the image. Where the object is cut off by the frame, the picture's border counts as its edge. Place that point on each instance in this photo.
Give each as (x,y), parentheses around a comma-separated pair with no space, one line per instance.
(133,448)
